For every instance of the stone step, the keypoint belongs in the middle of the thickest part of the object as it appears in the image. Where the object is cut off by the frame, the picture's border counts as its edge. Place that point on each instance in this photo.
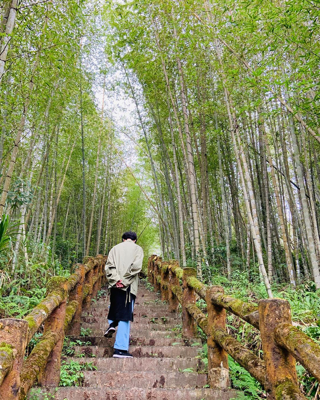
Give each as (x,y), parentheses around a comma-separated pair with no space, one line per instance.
(81,393)
(140,351)
(145,305)
(138,341)
(149,309)
(141,293)
(165,365)
(143,379)
(95,323)
(143,364)
(152,312)
(137,319)
(152,305)
(139,333)
(97,329)
(144,302)
(173,341)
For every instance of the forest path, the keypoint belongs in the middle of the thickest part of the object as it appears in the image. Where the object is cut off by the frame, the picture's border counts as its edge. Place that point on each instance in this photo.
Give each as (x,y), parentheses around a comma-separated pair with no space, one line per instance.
(165,366)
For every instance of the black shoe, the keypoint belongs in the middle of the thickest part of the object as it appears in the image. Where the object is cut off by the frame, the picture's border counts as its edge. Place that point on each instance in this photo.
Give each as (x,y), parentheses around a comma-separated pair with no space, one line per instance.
(109,332)
(121,354)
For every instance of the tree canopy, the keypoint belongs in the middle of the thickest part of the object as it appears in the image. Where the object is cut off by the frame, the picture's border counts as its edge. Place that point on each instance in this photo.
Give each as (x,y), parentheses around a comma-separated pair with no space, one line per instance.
(194,123)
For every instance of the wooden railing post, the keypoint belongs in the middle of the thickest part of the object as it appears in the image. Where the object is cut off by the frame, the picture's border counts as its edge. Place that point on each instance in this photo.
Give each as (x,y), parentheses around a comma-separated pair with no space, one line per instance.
(156,274)
(88,282)
(55,323)
(13,332)
(280,364)
(98,283)
(189,326)
(218,369)
(151,269)
(96,287)
(172,299)
(77,294)
(104,277)
(164,282)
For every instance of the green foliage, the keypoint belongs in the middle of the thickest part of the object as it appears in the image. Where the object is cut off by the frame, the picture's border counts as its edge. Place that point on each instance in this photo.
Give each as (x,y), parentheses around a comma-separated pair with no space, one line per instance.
(18,305)
(4,237)
(69,346)
(100,294)
(187,370)
(305,304)
(242,380)
(71,372)
(308,383)
(33,342)
(21,193)
(149,286)
(203,355)
(37,394)
(85,332)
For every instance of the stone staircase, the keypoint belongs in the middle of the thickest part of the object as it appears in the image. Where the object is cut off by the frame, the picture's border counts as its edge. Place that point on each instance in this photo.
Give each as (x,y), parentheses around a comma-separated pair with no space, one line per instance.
(165,366)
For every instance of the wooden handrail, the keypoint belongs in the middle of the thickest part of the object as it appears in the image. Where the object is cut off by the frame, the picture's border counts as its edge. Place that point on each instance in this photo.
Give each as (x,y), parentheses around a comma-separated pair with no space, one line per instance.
(304,349)
(59,312)
(282,343)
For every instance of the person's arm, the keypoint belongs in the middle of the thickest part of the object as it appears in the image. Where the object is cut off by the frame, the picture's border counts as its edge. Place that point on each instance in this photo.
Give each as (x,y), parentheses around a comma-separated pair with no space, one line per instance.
(111,271)
(134,269)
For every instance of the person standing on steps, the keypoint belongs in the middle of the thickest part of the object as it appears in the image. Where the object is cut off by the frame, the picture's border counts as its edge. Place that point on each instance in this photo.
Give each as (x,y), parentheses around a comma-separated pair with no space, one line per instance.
(122,270)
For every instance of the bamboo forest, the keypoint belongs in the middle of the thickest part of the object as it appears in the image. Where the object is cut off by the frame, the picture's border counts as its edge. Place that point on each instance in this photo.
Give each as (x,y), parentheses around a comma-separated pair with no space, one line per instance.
(194,123)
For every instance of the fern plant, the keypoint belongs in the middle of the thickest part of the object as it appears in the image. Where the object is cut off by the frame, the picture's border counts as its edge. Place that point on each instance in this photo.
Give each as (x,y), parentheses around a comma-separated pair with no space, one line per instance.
(242,380)
(71,372)
(4,237)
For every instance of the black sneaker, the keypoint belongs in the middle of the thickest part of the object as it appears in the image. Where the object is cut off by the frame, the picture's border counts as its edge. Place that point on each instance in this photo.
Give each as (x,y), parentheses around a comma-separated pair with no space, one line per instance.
(121,354)
(109,332)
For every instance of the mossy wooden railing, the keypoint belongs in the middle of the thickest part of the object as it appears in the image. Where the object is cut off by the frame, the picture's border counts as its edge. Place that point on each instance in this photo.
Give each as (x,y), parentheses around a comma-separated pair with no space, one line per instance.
(58,314)
(282,343)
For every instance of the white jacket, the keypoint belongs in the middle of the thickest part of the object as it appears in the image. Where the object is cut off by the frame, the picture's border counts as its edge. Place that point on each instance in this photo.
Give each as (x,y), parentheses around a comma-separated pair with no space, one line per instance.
(124,263)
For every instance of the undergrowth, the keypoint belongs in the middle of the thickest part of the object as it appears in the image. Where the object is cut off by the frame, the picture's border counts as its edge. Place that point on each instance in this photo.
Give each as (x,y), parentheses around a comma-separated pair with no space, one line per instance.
(19,296)
(71,373)
(305,305)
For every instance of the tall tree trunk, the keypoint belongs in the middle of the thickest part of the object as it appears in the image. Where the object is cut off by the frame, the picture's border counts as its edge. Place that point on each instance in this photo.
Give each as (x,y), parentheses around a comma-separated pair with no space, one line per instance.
(167,178)
(304,206)
(83,168)
(15,150)
(94,196)
(97,170)
(43,165)
(191,172)
(108,222)
(224,212)
(18,241)
(66,220)
(309,187)
(22,123)
(102,208)
(204,176)
(179,199)
(279,205)
(7,28)
(249,201)
(54,210)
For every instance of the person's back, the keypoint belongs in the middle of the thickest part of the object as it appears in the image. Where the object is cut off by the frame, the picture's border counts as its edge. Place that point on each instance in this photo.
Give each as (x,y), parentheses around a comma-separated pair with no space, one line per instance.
(122,269)
(124,263)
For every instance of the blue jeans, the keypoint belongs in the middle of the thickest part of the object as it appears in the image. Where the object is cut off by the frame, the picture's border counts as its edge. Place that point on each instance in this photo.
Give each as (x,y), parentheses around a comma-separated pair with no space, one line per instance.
(123,333)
